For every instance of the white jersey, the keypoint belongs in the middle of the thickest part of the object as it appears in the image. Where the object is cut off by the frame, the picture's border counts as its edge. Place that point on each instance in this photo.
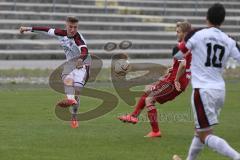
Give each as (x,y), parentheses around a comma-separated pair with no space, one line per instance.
(210,48)
(73,46)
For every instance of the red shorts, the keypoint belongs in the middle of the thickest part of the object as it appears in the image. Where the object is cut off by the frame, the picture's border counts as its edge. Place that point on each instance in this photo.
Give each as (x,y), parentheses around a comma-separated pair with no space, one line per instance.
(163,95)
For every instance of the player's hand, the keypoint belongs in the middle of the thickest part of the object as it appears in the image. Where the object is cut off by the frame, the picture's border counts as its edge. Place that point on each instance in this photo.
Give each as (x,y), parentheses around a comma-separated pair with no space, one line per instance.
(24,29)
(177,85)
(79,63)
(169,70)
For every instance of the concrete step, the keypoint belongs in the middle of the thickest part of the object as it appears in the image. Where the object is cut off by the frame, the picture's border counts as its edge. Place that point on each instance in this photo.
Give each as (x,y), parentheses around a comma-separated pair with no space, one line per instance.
(150,3)
(53,64)
(110,1)
(93,44)
(30,15)
(180,4)
(109,17)
(59,54)
(47,7)
(134,26)
(93,35)
(116,26)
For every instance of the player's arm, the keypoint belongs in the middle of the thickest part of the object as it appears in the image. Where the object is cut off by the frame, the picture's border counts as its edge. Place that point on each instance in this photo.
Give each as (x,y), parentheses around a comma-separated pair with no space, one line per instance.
(45,30)
(82,48)
(235,52)
(180,72)
(83,55)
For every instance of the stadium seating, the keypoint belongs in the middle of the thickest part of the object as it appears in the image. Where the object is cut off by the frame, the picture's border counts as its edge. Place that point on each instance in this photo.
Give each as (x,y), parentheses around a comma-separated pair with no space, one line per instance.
(148,24)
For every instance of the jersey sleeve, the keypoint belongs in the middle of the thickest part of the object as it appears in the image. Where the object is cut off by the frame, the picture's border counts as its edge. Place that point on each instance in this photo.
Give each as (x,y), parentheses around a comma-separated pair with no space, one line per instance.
(178,54)
(235,52)
(191,42)
(50,31)
(81,43)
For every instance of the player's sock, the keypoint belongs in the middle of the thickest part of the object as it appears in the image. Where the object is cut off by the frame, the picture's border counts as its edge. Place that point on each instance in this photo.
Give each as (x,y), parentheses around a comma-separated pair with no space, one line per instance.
(221,146)
(75,108)
(152,116)
(140,105)
(69,91)
(195,148)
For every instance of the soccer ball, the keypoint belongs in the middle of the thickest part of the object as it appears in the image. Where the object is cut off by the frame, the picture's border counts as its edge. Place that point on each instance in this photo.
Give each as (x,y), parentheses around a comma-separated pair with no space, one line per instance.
(121,67)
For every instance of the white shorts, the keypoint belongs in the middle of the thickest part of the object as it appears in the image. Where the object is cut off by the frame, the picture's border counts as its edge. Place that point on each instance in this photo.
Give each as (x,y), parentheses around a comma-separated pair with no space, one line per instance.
(79,76)
(206,106)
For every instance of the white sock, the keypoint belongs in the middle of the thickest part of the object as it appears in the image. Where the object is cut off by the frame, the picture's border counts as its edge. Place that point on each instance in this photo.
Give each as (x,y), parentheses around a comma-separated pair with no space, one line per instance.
(70,96)
(69,91)
(221,146)
(195,148)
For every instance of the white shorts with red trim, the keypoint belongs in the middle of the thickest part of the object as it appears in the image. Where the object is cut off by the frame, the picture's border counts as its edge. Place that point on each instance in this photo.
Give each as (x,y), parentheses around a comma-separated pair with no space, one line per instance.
(206,106)
(79,76)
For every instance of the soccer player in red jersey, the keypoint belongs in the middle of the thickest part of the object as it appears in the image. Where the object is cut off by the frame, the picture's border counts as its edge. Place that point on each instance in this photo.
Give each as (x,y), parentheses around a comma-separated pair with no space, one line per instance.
(166,89)
(75,74)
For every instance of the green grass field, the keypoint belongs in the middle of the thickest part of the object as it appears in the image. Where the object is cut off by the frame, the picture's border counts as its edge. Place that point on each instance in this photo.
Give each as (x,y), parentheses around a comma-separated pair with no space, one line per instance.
(30,130)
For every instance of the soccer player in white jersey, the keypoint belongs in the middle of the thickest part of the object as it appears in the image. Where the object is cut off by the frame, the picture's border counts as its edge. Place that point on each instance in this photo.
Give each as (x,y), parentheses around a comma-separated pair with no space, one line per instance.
(74,75)
(210,48)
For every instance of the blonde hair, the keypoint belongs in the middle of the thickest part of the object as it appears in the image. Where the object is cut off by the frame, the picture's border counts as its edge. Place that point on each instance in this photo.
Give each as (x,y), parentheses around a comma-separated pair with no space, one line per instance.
(184,25)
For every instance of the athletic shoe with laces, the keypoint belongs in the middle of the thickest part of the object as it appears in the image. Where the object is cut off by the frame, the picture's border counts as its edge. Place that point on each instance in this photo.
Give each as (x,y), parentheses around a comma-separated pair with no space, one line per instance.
(176,157)
(74,123)
(153,134)
(66,103)
(128,118)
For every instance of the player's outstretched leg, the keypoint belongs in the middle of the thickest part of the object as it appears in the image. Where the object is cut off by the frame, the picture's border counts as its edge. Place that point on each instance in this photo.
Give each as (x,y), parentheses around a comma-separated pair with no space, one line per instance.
(195,148)
(69,90)
(221,146)
(74,120)
(152,116)
(133,117)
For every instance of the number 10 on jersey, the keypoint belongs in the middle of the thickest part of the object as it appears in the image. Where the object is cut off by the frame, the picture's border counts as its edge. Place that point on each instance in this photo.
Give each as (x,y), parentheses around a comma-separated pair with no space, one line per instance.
(218,52)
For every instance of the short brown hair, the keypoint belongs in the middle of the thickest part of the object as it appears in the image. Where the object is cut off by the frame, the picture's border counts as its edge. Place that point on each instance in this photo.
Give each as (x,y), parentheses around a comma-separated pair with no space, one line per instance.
(216,14)
(72,19)
(184,25)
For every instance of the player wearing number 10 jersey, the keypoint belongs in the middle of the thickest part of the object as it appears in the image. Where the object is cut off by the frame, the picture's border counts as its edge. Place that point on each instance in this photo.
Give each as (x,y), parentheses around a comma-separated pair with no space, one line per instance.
(210,48)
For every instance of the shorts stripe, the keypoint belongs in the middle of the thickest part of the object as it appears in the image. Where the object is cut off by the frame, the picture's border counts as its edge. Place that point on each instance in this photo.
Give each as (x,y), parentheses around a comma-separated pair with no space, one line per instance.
(201,114)
(87,76)
(80,83)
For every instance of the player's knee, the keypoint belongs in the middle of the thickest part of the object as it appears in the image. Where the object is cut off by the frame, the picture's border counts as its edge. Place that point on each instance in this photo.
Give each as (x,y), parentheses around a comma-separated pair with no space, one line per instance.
(202,139)
(78,90)
(77,98)
(147,89)
(149,101)
(150,107)
(203,135)
(68,81)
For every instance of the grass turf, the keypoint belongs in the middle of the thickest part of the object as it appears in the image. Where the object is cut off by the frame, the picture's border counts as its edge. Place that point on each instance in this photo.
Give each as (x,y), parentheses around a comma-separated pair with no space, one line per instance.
(29,129)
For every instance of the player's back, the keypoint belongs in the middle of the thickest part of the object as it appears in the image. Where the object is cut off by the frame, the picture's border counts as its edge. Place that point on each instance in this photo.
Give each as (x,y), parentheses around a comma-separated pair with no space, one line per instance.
(210,49)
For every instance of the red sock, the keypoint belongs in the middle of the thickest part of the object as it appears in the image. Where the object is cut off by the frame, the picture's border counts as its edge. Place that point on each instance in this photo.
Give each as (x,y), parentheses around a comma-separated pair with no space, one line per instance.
(152,116)
(139,107)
